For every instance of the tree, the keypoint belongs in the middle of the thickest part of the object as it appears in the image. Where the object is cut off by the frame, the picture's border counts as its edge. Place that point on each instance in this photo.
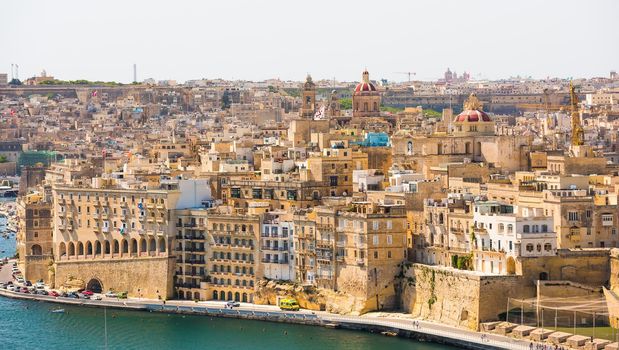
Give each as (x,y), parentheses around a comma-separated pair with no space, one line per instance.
(345,103)
(15,82)
(3,159)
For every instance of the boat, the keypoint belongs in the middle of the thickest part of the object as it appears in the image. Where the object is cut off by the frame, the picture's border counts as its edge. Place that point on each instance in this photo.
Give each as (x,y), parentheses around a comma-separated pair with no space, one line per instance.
(58,311)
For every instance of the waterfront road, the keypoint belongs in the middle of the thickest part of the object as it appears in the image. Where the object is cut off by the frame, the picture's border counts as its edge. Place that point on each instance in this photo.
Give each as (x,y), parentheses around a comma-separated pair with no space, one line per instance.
(396,322)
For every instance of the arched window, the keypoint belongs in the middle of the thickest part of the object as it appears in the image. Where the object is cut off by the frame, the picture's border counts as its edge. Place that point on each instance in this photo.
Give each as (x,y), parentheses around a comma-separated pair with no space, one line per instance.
(547,247)
(143,247)
(375,109)
(88,248)
(125,245)
(71,249)
(544,228)
(152,245)
(116,247)
(529,247)
(97,247)
(134,246)
(80,248)
(215,295)
(162,244)
(62,249)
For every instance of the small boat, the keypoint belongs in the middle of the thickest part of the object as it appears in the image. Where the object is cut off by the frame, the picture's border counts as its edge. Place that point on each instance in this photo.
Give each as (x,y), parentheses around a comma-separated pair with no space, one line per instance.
(58,311)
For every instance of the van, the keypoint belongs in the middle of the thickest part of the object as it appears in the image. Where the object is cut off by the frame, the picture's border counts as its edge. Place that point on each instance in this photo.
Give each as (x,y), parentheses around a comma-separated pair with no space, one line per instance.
(289,304)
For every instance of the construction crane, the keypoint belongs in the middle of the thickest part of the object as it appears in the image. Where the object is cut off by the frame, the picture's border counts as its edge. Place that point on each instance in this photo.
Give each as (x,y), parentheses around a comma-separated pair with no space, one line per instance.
(407,73)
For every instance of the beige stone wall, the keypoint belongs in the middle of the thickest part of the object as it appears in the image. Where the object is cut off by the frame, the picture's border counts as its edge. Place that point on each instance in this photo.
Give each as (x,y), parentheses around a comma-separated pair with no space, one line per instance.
(458,298)
(588,267)
(37,268)
(147,274)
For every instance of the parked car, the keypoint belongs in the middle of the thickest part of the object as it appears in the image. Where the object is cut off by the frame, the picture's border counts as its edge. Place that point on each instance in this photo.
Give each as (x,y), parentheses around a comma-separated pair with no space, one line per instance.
(3,285)
(83,296)
(88,293)
(96,297)
(41,292)
(110,294)
(10,288)
(28,284)
(72,295)
(232,303)
(53,293)
(24,290)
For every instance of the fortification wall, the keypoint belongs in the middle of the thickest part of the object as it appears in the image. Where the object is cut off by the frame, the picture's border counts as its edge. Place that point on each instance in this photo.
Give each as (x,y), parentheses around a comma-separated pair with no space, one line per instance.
(141,277)
(454,297)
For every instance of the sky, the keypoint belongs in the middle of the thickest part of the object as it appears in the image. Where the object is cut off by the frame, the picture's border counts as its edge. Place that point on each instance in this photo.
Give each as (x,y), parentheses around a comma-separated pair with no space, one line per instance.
(263,39)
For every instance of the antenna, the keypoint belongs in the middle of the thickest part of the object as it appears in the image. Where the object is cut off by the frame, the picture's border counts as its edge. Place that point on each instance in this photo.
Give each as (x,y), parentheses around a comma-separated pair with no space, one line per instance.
(12,75)
(135,73)
(16,71)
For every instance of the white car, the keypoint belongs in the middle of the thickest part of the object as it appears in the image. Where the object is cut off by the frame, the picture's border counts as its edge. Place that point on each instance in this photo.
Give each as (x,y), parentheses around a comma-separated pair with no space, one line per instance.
(11,288)
(96,297)
(110,294)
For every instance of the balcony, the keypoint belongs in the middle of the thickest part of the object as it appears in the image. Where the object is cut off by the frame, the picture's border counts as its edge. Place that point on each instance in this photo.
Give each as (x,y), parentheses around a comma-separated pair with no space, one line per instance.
(360,262)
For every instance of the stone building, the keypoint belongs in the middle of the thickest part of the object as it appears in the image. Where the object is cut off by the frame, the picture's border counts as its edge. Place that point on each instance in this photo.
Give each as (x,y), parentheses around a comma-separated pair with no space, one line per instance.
(35,246)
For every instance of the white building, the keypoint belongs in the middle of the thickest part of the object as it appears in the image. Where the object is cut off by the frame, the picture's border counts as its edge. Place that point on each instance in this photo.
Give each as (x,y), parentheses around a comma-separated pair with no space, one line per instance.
(276,246)
(504,232)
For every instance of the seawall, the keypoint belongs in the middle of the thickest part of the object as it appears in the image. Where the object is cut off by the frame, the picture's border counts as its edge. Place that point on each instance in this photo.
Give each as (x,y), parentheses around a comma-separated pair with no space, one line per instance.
(402,328)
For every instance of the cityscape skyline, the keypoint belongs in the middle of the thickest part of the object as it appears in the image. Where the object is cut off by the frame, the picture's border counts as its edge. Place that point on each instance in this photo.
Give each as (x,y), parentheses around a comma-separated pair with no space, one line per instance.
(186,42)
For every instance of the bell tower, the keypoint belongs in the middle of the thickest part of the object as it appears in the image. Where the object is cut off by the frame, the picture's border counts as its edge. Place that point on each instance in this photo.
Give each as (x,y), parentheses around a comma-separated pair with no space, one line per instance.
(308,105)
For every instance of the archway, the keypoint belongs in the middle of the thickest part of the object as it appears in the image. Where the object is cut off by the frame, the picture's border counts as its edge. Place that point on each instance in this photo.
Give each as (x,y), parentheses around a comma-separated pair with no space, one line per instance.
(237,296)
(215,295)
(116,247)
(134,246)
(229,295)
(181,294)
(196,296)
(36,250)
(108,248)
(511,266)
(97,248)
(125,245)
(95,285)
(152,246)
(244,297)
(161,245)
(71,249)
(143,246)
(89,248)
(80,248)
(222,295)
(62,249)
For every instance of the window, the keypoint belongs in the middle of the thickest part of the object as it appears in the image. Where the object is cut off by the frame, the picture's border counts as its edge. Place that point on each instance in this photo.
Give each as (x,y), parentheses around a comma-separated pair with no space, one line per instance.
(529,247)
(375,255)
(375,239)
(389,225)
(547,247)
(375,225)
(572,216)
(607,219)
(389,239)
(525,229)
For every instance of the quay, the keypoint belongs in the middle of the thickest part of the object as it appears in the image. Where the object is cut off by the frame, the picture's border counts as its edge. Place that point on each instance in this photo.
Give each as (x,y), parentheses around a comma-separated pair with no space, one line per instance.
(403,327)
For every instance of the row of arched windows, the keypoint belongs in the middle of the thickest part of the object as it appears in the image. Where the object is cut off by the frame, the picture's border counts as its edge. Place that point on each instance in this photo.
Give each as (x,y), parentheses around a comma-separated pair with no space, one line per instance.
(133,246)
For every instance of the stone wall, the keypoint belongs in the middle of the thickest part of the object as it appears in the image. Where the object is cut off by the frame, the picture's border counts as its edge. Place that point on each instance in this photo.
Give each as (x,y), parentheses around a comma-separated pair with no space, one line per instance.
(37,268)
(458,298)
(590,267)
(152,275)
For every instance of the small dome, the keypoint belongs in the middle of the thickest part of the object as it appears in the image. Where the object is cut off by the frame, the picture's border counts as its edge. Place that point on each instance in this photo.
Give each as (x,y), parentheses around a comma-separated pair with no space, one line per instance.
(472,111)
(365,85)
(473,116)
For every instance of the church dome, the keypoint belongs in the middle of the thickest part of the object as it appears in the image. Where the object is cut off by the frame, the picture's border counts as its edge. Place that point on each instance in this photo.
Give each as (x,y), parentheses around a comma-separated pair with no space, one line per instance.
(472,116)
(365,85)
(472,111)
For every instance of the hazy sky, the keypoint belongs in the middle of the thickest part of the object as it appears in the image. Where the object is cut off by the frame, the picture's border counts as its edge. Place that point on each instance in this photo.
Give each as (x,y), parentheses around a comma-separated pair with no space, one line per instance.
(259,39)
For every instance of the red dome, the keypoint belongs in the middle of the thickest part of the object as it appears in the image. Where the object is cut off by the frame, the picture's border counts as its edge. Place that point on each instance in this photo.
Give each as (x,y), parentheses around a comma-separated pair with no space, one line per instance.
(472,115)
(365,87)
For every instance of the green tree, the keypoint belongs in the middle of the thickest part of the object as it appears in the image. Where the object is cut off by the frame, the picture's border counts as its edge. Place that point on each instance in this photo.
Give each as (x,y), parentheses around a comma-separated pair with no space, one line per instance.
(3,159)
(346,103)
